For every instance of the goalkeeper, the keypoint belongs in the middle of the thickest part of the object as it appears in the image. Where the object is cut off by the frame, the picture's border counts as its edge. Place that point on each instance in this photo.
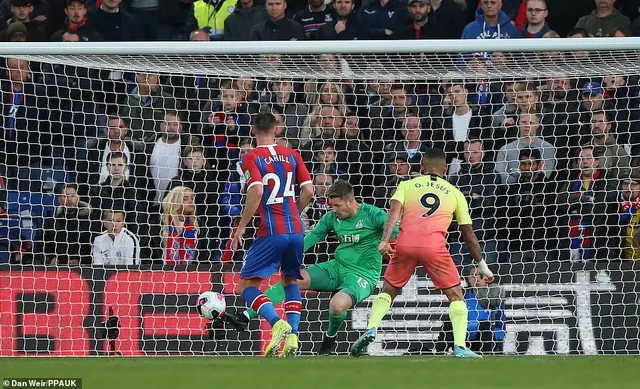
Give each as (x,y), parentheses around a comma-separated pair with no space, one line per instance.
(354,272)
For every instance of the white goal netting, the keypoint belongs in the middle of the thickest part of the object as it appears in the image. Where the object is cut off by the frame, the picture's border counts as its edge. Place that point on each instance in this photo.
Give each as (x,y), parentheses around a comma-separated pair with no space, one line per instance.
(545,145)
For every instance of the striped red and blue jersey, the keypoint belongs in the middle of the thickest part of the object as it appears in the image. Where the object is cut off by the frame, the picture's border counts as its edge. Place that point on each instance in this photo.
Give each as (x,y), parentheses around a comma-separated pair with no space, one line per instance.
(278,169)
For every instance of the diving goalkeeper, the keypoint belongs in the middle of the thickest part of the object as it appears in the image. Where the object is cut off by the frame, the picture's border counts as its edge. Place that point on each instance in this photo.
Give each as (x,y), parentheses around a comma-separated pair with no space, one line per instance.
(354,272)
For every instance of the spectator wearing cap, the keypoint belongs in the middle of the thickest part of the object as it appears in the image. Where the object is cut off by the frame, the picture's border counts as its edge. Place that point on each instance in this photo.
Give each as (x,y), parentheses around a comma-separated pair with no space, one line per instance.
(314,17)
(536,25)
(16,32)
(421,28)
(490,23)
(447,18)
(593,99)
(210,15)
(76,21)
(604,19)
(246,15)
(41,12)
(346,25)
(22,10)
(278,27)
(113,23)
(383,17)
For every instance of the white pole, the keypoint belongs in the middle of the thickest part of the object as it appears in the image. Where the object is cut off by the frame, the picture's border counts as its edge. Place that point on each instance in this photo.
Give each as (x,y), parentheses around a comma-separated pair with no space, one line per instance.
(317,47)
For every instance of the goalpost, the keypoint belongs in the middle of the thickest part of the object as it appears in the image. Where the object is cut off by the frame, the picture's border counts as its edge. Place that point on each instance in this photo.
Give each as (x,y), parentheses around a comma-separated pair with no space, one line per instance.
(541,135)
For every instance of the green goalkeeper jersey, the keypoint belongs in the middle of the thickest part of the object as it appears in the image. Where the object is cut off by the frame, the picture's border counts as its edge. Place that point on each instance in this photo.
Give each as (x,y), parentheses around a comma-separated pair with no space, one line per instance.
(359,237)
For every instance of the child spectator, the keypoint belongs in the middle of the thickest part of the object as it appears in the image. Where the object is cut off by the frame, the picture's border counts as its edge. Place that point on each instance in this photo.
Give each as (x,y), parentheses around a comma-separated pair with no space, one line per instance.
(116,245)
(180,227)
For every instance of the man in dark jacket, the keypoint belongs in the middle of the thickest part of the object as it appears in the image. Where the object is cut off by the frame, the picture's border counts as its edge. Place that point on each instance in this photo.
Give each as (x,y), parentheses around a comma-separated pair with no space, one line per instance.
(67,234)
(478,182)
(76,11)
(22,10)
(113,23)
(383,17)
(345,26)
(314,16)
(447,18)
(278,27)
(421,28)
(246,15)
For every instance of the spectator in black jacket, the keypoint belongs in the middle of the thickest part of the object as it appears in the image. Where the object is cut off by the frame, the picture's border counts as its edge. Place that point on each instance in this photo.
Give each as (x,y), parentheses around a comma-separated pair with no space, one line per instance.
(113,23)
(345,26)
(67,234)
(41,12)
(246,15)
(383,17)
(116,192)
(26,124)
(478,182)
(314,17)
(76,11)
(278,27)
(420,28)
(447,18)
(22,10)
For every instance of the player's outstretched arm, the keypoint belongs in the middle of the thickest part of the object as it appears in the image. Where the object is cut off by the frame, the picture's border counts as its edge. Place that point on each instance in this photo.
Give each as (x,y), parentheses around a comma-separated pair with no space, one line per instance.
(389,225)
(320,231)
(254,195)
(306,194)
(473,246)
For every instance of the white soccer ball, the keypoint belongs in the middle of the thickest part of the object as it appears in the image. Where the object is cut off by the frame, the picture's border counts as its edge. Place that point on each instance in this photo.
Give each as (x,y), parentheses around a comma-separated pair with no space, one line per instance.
(210,305)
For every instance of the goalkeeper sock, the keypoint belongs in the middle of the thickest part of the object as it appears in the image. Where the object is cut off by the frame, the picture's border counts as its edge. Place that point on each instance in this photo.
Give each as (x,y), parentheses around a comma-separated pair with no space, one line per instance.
(293,306)
(458,314)
(275,294)
(334,323)
(261,304)
(381,305)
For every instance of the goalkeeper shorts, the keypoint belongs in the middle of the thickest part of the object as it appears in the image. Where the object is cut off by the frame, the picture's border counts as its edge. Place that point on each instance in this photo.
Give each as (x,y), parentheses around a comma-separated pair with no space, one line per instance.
(437,262)
(328,277)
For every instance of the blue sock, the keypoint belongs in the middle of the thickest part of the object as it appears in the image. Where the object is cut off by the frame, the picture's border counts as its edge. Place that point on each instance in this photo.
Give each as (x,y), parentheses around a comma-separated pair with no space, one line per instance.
(260,303)
(293,306)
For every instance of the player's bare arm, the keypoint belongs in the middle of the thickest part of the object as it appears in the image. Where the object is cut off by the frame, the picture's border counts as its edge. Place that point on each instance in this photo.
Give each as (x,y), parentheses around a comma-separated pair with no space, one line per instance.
(389,225)
(306,194)
(473,246)
(254,195)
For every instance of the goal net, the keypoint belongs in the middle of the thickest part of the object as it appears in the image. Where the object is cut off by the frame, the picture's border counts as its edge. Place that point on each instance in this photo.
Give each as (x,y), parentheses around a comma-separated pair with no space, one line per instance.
(120,187)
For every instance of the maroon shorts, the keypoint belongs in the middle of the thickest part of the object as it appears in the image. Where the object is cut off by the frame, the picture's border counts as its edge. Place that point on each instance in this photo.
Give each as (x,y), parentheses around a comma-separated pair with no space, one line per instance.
(436,261)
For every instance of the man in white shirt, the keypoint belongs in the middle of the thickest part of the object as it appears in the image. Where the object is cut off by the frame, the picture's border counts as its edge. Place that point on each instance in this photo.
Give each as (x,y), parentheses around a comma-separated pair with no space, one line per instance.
(116,245)
(165,156)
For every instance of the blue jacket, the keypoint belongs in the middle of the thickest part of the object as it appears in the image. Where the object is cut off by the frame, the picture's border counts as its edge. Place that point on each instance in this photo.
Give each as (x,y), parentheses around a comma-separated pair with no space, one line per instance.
(393,16)
(479,29)
(538,34)
(477,314)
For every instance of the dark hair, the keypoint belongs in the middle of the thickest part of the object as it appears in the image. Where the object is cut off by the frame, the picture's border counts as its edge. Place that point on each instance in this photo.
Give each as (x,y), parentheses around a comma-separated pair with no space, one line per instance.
(601,112)
(530,153)
(264,123)
(172,112)
(341,189)
(117,154)
(578,31)
(432,155)
(68,185)
(472,141)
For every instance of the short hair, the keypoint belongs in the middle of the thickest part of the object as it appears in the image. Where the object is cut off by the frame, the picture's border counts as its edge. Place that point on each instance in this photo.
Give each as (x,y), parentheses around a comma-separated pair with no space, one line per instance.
(527,87)
(226,84)
(340,189)
(431,155)
(398,86)
(172,112)
(601,112)
(531,153)
(472,141)
(264,123)
(117,154)
(68,185)
(113,117)
(187,151)
(550,33)
(578,31)
(323,145)
(114,211)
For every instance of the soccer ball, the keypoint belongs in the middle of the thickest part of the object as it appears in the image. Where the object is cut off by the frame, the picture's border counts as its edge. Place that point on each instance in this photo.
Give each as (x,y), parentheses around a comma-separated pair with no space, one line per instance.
(210,305)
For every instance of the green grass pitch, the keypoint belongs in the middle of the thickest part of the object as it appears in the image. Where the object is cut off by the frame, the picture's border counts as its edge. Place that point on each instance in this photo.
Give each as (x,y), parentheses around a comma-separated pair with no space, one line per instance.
(601,372)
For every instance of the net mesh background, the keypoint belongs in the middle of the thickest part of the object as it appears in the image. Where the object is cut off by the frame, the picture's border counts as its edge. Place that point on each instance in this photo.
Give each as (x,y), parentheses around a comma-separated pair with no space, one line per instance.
(85,134)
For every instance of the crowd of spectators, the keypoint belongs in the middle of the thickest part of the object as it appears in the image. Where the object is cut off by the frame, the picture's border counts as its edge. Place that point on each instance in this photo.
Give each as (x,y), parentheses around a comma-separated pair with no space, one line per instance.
(149,162)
